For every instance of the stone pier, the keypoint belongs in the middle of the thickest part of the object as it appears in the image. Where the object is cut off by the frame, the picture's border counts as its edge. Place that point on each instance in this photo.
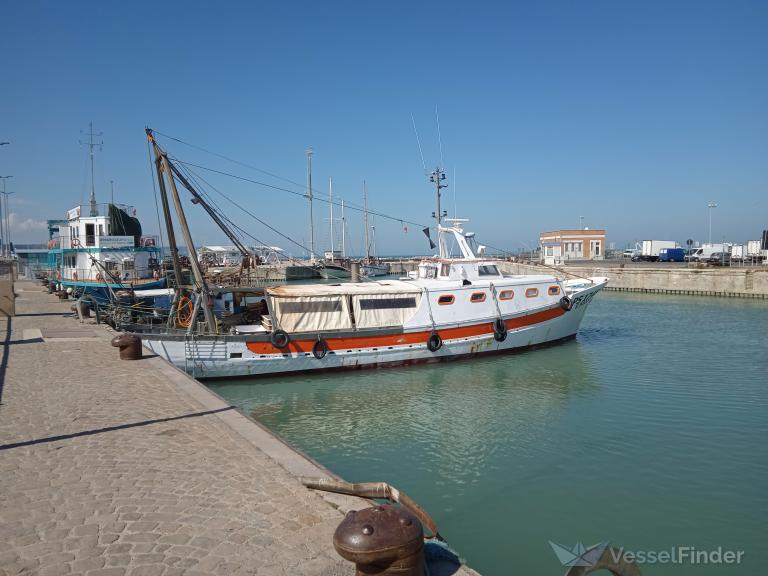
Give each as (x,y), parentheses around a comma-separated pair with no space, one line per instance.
(112,468)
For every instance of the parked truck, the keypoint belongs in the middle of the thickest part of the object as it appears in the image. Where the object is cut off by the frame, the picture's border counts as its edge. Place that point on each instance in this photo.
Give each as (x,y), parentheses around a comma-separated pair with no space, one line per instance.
(649,249)
(738,252)
(672,255)
(754,251)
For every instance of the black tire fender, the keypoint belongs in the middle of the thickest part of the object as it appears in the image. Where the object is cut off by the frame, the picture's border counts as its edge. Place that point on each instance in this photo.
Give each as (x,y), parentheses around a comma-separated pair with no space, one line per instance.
(434,342)
(320,349)
(499,330)
(279,339)
(566,303)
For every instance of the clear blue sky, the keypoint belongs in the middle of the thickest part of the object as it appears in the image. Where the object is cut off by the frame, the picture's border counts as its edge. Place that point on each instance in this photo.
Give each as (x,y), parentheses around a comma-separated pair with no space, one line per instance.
(633,115)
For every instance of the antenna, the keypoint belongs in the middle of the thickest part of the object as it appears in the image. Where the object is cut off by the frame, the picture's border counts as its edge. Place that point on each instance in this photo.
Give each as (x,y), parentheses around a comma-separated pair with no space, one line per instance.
(418,141)
(438,178)
(91,145)
(112,189)
(330,201)
(311,210)
(439,137)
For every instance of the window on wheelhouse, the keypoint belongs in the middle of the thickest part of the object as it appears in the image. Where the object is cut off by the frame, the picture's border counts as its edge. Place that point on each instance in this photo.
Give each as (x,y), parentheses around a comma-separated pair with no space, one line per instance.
(531,292)
(477,297)
(446,299)
(445,270)
(90,234)
(129,264)
(487,270)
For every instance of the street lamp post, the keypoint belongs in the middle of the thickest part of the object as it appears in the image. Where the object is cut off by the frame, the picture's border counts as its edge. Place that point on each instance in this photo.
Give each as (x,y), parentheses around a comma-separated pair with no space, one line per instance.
(4,218)
(710,206)
(7,224)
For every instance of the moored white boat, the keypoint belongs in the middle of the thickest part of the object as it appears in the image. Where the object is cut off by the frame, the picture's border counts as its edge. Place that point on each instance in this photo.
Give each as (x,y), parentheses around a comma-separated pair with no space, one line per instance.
(452,307)
(456,307)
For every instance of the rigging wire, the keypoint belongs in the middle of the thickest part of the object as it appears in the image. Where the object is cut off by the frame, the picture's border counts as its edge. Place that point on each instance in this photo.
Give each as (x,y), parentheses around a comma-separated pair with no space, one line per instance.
(300,194)
(154,189)
(303,187)
(418,141)
(275,230)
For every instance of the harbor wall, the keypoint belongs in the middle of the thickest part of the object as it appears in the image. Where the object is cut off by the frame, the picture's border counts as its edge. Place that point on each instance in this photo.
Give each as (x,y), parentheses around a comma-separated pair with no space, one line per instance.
(731,282)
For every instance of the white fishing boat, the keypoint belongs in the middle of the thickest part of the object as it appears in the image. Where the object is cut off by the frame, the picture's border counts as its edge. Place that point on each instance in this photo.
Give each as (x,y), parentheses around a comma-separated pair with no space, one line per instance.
(452,307)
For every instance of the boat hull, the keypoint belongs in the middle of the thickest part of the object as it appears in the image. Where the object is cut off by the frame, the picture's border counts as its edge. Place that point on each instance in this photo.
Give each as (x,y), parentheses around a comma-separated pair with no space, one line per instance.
(371,270)
(223,357)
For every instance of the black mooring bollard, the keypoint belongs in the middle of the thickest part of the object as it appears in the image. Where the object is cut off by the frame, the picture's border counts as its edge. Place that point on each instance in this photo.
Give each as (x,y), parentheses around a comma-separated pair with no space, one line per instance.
(384,540)
(130,346)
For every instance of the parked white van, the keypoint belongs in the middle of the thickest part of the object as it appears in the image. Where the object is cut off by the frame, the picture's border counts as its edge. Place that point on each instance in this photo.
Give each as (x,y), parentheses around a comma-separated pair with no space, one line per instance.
(705,252)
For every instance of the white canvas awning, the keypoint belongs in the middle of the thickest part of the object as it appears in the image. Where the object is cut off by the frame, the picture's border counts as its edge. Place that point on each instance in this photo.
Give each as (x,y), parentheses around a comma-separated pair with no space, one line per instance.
(384,310)
(320,307)
(312,313)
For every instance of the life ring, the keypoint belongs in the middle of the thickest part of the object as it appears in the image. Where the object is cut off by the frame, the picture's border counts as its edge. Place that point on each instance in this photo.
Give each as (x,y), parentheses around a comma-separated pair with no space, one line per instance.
(434,342)
(499,330)
(279,339)
(320,349)
(75,242)
(99,277)
(185,318)
(74,275)
(156,275)
(566,303)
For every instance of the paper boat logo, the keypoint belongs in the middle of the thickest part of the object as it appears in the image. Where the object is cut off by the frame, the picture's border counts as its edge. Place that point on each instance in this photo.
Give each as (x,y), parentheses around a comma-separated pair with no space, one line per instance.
(578,555)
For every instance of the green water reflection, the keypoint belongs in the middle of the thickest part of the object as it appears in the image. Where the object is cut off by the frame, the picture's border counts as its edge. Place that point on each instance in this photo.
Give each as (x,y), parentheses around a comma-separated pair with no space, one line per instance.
(650,430)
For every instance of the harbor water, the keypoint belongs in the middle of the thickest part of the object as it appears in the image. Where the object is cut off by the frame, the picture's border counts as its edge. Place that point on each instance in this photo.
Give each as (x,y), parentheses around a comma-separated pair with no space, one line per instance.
(649,430)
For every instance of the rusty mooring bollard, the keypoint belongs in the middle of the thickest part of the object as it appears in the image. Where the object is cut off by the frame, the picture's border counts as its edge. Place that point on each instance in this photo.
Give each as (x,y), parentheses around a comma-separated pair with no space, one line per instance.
(130,346)
(84,309)
(384,540)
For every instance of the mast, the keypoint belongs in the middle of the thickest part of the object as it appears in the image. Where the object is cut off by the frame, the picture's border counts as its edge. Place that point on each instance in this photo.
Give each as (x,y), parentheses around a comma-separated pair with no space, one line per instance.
(365,220)
(343,232)
(94,211)
(373,239)
(168,169)
(438,177)
(330,202)
(311,211)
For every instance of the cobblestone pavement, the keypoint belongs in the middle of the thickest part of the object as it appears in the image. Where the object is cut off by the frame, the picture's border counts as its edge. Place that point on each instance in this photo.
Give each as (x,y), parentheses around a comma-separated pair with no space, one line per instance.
(184,496)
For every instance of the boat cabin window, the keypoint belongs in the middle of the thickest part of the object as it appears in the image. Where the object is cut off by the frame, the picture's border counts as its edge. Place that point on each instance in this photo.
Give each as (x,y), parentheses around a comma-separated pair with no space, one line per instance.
(477,297)
(487,270)
(446,299)
(90,235)
(387,303)
(554,290)
(531,292)
(506,294)
(129,265)
(428,271)
(445,270)
(313,305)
(110,266)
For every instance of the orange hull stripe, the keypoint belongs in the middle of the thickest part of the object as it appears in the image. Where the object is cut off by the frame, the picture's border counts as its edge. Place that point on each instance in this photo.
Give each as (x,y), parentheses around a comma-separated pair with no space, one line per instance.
(354,342)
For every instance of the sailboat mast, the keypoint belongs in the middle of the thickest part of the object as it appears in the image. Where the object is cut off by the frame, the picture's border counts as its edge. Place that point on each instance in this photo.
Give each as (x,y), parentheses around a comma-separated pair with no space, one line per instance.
(365,220)
(311,210)
(343,232)
(330,202)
